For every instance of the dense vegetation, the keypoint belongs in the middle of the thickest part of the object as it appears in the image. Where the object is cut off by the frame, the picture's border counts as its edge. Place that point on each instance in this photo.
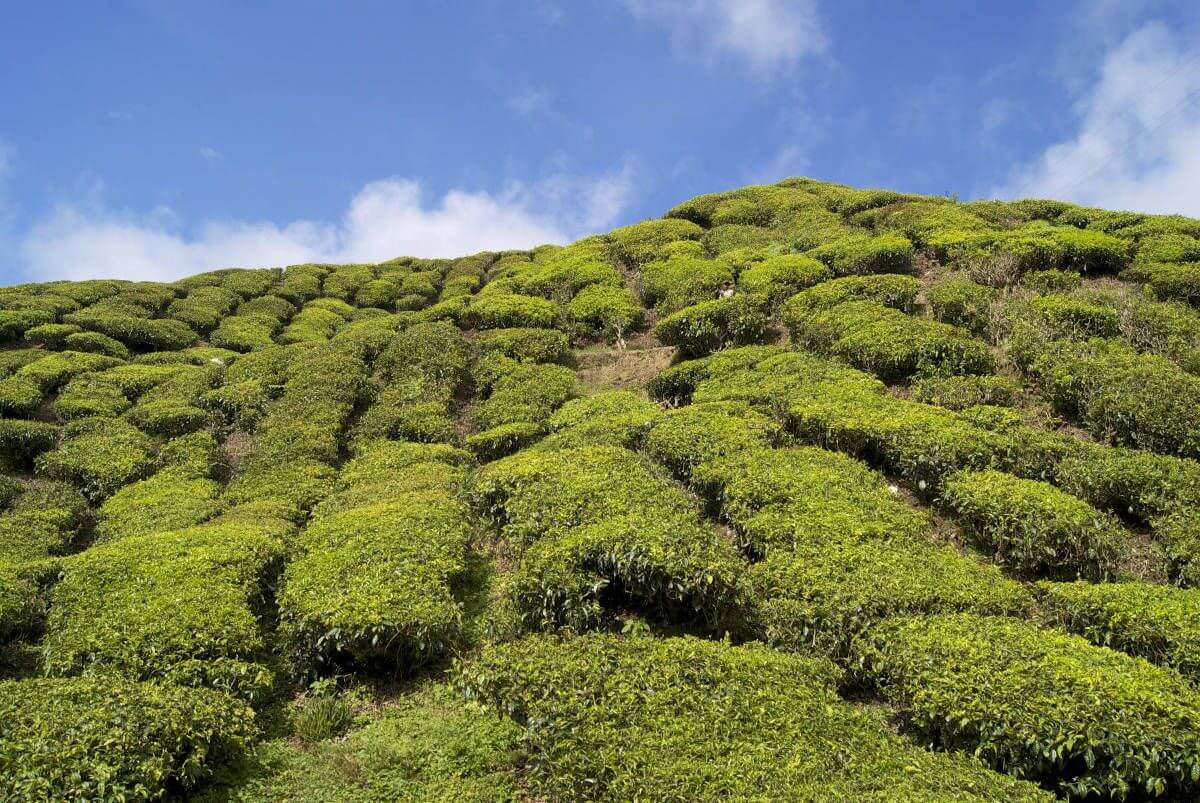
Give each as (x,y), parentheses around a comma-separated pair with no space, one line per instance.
(801,492)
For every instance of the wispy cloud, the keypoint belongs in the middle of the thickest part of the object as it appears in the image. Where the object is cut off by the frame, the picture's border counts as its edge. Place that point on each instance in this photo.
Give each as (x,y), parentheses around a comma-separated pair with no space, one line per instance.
(386,218)
(529,101)
(1137,141)
(768,35)
(210,154)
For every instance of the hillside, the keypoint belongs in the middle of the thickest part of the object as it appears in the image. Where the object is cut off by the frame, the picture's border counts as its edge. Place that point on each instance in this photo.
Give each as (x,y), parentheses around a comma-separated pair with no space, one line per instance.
(800,492)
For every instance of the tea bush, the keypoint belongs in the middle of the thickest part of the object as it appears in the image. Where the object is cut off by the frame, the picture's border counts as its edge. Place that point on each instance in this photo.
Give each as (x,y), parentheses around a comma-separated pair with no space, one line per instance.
(961,392)
(701,720)
(1032,526)
(679,282)
(780,277)
(612,418)
(643,242)
(106,738)
(889,343)
(857,255)
(1039,704)
(712,325)
(1158,623)
(178,606)
(606,311)
(525,344)
(1167,281)
(688,437)
(958,301)
(42,520)
(98,455)
(506,310)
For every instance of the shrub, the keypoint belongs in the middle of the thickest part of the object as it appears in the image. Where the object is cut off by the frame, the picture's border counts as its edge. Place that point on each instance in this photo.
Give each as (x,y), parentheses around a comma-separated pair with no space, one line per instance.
(682,281)
(410,408)
(525,344)
(1139,400)
(699,720)
(20,607)
(1154,622)
(159,334)
(961,392)
(172,499)
(51,335)
(322,717)
(712,325)
(504,310)
(611,418)
(1168,282)
(93,738)
(735,236)
(42,521)
(788,499)
(1141,485)
(436,351)
(898,292)
(1078,318)
(99,455)
(643,242)
(606,311)
(780,277)
(1051,281)
(245,332)
(1039,704)
(527,392)
(55,370)
(889,343)
(822,595)
(19,396)
(503,440)
(595,528)
(959,301)
(1034,527)
(178,606)
(688,437)
(1168,248)
(377,582)
(167,419)
(96,343)
(857,255)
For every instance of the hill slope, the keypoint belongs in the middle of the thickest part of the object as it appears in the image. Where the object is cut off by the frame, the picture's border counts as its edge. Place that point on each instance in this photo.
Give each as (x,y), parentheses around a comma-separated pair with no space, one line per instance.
(800,492)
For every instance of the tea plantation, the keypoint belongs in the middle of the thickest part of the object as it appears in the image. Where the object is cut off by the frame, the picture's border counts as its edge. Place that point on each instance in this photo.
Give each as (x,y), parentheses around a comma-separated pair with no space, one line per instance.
(801,492)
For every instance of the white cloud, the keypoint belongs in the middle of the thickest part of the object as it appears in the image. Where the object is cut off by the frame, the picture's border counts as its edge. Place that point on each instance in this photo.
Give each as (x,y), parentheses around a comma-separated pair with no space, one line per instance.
(529,101)
(210,154)
(767,34)
(385,219)
(1137,144)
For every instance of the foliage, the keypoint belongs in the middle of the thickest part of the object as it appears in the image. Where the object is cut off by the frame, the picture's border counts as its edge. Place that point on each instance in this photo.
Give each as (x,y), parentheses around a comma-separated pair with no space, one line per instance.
(712,325)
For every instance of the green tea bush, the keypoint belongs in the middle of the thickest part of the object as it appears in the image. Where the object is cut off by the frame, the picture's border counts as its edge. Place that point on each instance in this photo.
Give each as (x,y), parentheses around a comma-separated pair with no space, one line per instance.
(14,323)
(1040,705)
(20,605)
(606,311)
(1140,485)
(527,392)
(106,738)
(436,351)
(376,582)
(611,418)
(1051,281)
(1138,400)
(161,334)
(51,335)
(525,344)
(1078,318)
(898,292)
(1168,248)
(643,242)
(506,310)
(889,343)
(712,325)
(780,277)
(592,522)
(958,301)
(1168,281)
(701,720)
(688,437)
(734,236)
(313,323)
(788,499)
(1158,623)
(99,455)
(172,499)
(682,281)
(55,370)
(204,307)
(1034,527)
(19,396)
(919,442)
(178,606)
(961,392)
(503,440)
(857,254)
(411,407)
(42,521)
(245,332)
(1179,532)
(822,595)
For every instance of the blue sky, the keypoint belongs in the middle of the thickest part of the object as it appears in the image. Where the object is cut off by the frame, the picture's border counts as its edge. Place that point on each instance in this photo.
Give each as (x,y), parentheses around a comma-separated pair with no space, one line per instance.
(154,139)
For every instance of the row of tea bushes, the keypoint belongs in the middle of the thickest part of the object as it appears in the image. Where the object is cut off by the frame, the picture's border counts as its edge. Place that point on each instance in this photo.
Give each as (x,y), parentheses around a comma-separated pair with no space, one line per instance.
(594,528)
(1077,718)
(380,567)
(178,606)
(683,719)
(514,399)
(840,550)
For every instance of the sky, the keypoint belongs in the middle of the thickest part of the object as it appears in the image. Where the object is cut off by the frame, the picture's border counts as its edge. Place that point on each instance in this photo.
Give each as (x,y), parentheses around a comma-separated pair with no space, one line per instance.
(152,140)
